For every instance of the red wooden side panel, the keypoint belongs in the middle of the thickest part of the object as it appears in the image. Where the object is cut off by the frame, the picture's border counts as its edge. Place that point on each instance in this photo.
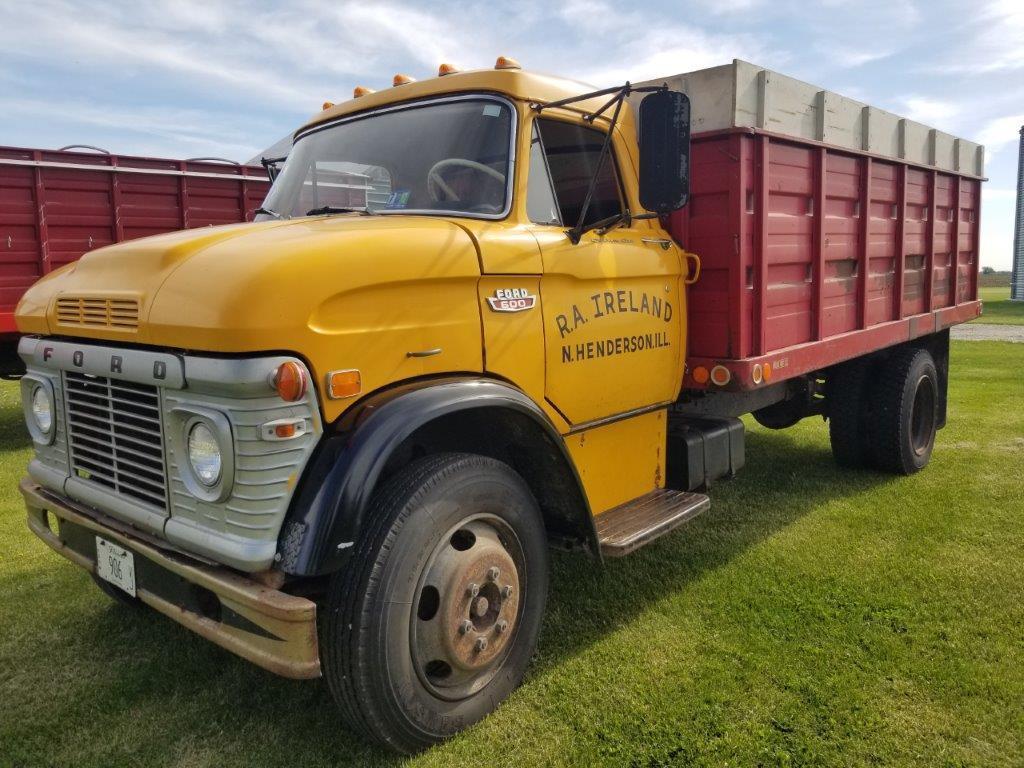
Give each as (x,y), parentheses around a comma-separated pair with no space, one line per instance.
(56,205)
(789,253)
(20,253)
(801,243)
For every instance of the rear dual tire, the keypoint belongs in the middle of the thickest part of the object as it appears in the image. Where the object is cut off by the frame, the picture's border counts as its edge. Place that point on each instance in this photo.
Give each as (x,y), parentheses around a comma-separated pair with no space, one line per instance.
(436,617)
(885,415)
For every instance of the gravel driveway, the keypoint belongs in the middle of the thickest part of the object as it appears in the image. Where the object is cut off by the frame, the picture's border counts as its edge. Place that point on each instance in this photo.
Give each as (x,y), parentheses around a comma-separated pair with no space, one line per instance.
(987,332)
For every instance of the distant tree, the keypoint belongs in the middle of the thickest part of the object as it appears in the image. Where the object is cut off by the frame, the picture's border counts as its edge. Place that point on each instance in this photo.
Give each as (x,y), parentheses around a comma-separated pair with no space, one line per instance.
(988,270)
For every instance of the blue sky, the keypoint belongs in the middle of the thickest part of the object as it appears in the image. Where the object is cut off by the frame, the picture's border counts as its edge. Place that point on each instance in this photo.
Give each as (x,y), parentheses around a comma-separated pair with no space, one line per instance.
(184,78)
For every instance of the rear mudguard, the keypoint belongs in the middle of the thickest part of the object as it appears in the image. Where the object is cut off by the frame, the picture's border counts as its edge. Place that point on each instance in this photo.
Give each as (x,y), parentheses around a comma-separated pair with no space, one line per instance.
(333,499)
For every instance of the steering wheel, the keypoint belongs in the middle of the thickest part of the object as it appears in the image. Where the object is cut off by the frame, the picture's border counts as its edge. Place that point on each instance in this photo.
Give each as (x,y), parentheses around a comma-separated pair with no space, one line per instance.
(436,183)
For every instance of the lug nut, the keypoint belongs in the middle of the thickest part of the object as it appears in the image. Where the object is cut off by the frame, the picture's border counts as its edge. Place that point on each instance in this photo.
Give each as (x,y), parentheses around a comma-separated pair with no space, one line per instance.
(465,627)
(480,644)
(506,591)
(473,590)
(493,573)
(501,626)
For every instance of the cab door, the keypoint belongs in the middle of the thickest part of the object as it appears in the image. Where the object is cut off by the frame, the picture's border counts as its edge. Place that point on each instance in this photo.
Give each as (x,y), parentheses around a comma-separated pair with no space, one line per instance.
(611,304)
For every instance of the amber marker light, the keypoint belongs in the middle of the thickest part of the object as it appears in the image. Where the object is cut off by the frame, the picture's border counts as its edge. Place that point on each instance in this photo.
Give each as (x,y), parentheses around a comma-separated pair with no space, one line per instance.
(284,431)
(361,90)
(720,375)
(290,381)
(700,374)
(327,105)
(341,384)
(767,372)
(504,62)
(401,79)
(447,69)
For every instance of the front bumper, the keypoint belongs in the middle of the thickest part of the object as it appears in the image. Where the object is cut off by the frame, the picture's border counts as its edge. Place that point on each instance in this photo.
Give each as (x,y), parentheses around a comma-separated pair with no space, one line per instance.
(270,628)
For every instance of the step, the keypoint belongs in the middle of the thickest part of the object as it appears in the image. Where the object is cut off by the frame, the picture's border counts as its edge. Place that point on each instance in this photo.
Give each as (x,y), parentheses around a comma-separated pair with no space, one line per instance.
(630,526)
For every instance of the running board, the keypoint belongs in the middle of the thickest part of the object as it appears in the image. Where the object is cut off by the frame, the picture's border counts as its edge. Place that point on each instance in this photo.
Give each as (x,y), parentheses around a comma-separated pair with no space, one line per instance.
(630,526)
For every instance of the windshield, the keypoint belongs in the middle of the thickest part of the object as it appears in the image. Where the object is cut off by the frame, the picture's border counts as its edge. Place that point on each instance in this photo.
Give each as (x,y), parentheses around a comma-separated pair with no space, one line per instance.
(441,157)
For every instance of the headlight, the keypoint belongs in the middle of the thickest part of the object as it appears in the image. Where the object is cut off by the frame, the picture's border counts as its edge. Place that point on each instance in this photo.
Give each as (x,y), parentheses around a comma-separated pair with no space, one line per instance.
(204,454)
(42,409)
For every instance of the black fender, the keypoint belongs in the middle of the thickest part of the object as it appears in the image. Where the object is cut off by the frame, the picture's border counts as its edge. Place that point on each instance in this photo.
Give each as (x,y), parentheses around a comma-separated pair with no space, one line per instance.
(332,500)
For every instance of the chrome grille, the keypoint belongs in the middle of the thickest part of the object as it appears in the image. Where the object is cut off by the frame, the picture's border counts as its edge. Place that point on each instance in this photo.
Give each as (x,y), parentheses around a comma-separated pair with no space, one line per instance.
(107,313)
(116,436)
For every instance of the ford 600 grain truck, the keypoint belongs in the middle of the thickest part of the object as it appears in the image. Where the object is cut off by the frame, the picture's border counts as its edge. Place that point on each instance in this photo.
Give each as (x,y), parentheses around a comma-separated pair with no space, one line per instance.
(340,440)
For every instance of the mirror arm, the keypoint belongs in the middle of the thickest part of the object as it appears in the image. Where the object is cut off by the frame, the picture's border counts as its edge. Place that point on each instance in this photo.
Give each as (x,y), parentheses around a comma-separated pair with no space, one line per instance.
(577,232)
(270,166)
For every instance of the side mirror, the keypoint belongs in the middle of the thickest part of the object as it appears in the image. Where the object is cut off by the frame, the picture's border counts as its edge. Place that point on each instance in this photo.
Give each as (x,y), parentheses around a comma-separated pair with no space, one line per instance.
(664,151)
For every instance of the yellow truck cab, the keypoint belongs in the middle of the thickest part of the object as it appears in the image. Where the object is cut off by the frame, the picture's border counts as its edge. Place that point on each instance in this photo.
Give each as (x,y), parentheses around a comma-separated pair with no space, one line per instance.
(338,441)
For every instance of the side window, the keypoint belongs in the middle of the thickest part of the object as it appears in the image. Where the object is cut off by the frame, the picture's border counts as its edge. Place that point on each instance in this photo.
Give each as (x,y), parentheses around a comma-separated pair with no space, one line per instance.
(571,152)
(541,206)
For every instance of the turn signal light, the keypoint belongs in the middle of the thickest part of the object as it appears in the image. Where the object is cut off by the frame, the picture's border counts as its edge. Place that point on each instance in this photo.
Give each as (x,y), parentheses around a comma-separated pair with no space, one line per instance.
(504,62)
(360,90)
(720,375)
(767,373)
(401,79)
(343,384)
(327,105)
(290,381)
(700,374)
(447,69)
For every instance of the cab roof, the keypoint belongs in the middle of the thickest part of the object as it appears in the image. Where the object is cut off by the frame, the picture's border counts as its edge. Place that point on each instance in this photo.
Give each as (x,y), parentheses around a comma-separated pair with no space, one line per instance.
(514,83)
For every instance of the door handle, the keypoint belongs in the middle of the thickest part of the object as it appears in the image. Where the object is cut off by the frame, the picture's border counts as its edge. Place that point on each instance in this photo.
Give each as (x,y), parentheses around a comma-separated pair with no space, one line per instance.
(424,352)
(692,272)
(664,242)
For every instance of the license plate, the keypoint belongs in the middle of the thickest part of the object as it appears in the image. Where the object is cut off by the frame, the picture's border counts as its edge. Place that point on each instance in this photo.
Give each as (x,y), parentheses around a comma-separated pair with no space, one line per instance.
(116,565)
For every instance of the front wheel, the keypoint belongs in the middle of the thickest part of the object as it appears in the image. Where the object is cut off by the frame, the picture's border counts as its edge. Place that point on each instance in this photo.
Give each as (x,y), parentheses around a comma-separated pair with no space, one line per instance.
(436,617)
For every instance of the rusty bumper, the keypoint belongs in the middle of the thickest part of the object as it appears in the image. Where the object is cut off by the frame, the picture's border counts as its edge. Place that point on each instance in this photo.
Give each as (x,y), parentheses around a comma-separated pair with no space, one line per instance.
(270,628)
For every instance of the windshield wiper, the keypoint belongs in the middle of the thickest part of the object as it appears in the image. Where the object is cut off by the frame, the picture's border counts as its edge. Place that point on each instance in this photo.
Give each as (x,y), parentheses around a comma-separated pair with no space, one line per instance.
(268,212)
(335,209)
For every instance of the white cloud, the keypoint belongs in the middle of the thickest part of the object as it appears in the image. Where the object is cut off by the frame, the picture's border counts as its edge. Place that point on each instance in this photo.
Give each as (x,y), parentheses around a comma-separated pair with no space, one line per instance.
(997,217)
(994,42)
(998,133)
(938,113)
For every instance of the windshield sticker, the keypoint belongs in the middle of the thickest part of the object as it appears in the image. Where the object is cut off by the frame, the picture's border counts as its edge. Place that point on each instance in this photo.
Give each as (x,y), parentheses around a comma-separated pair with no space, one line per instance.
(492,110)
(398,199)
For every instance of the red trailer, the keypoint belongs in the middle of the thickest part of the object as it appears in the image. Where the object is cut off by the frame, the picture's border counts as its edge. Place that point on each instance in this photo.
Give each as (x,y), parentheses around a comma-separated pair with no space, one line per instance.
(56,205)
(827,229)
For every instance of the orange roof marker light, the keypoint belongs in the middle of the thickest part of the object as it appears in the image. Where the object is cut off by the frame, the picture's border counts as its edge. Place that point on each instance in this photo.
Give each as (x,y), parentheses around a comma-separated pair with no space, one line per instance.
(447,69)
(401,79)
(327,105)
(360,90)
(504,62)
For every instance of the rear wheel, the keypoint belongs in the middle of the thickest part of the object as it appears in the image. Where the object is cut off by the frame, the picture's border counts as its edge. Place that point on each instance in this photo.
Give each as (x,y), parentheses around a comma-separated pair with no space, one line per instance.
(906,403)
(435,619)
(846,396)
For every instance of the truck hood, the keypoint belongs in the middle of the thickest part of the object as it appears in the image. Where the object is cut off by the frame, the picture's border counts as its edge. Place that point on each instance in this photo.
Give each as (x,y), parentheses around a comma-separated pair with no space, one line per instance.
(245,287)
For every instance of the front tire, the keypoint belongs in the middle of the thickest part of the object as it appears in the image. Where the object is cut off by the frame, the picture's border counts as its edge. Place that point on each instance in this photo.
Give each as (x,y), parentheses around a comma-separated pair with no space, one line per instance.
(434,621)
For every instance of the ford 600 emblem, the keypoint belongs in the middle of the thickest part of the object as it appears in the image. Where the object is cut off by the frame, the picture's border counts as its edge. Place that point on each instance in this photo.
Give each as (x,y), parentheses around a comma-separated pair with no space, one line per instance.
(511,300)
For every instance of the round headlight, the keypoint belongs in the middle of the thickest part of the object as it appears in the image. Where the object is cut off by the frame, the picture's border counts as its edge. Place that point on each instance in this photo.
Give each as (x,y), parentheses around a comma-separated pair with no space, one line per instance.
(204,454)
(42,409)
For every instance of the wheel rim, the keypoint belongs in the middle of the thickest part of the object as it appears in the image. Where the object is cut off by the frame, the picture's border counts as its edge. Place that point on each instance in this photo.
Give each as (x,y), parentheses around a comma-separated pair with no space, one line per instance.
(922,417)
(467,608)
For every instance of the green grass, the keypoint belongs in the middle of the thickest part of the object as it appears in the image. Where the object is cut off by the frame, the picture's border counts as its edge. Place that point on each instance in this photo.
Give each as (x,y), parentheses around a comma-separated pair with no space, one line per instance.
(812,617)
(997,307)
